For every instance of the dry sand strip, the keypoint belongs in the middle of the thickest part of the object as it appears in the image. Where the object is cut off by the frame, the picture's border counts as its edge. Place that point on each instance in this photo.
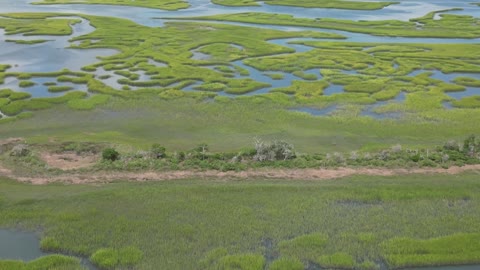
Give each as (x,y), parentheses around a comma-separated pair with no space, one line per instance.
(286,174)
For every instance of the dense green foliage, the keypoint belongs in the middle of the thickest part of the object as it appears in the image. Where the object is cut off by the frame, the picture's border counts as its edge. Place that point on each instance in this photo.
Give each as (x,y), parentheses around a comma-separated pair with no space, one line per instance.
(110,154)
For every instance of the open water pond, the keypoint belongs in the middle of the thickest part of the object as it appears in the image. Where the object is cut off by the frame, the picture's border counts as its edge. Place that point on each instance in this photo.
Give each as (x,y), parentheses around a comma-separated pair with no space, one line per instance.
(25,246)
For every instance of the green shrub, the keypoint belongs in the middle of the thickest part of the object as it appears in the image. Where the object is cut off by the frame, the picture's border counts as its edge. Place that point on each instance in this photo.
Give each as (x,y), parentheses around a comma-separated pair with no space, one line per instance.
(157,151)
(276,150)
(415,158)
(110,154)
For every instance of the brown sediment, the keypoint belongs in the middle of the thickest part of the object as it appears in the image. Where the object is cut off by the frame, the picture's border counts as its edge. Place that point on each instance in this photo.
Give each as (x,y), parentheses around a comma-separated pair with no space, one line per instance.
(287,174)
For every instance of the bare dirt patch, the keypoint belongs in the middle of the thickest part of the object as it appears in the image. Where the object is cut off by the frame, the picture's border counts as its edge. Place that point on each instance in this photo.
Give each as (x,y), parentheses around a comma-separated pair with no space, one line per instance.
(287,174)
(5,171)
(68,161)
(7,144)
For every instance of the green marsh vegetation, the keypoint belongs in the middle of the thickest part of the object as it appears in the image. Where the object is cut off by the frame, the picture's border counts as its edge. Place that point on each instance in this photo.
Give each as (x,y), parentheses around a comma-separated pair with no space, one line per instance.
(375,77)
(310,4)
(27,42)
(182,122)
(36,25)
(50,262)
(358,222)
(260,155)
(160,4)
(448,26)
(379,73)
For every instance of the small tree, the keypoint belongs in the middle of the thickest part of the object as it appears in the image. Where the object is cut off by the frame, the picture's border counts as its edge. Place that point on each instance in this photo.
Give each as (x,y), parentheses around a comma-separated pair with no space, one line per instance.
(201,150)
(158,151)
(110,154)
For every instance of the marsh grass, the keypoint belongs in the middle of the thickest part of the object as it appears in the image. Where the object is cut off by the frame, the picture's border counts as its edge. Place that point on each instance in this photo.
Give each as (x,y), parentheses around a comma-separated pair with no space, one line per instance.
(181,122)
(57,262)
(309,4)
(200,224)
(448,26)
(454,249)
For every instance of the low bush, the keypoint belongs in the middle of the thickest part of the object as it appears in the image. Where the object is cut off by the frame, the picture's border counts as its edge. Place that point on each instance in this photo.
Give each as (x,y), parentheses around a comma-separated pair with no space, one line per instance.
(158,151)
(276,150)
(110,154)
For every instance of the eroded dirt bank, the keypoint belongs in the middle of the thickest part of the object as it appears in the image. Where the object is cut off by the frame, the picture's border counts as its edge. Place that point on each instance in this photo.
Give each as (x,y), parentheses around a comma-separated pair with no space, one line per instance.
(288,174)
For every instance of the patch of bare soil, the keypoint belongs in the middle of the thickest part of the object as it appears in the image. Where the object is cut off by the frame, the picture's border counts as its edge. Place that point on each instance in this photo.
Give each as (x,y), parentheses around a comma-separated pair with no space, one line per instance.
(68,161)
(7,144)
(288,174)
(5,171)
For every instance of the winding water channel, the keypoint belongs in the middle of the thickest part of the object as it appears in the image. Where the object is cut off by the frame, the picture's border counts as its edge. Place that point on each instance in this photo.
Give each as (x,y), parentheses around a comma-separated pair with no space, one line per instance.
(55,55)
